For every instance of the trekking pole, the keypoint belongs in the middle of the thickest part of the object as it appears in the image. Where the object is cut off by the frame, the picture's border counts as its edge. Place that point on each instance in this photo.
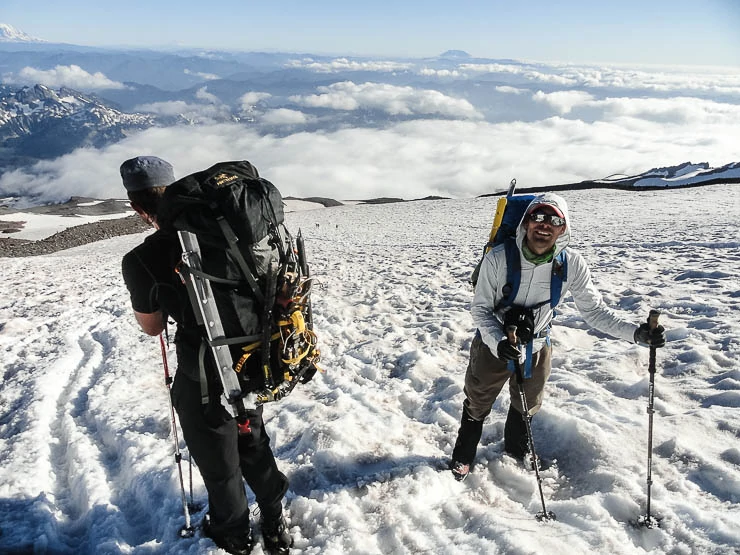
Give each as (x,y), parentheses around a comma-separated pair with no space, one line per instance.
(301,247)
(186,531)
(544,514)
(647,520)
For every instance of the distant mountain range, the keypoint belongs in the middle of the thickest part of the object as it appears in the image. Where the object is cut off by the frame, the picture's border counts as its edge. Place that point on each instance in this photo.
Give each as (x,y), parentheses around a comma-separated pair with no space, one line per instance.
(42,123)
(118,92)
(123,90)
(683,175)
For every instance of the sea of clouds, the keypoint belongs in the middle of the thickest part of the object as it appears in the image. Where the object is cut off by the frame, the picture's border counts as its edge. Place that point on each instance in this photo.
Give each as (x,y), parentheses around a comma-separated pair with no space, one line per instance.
(427,128)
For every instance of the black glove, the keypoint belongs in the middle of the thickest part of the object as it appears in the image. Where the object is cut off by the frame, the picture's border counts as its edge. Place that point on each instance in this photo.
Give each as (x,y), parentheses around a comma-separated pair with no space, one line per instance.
(506,351)
(523,319)
(651,338)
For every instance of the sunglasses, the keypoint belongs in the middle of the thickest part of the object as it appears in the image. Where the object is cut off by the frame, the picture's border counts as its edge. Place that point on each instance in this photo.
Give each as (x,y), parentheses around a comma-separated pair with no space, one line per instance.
(540,218)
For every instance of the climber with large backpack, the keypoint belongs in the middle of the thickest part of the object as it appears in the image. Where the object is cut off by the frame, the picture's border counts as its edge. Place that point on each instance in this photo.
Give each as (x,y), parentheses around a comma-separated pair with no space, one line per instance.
(524,273)
(222,265)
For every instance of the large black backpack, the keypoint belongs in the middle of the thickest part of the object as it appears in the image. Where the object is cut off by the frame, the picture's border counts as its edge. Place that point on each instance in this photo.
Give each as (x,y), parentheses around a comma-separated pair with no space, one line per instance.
(236,216)
(250,260)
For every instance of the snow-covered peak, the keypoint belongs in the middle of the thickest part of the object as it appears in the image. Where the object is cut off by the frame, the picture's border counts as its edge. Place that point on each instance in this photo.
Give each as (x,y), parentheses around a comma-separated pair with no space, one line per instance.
(683,175)
(8,33)
(50,122)
(455,54)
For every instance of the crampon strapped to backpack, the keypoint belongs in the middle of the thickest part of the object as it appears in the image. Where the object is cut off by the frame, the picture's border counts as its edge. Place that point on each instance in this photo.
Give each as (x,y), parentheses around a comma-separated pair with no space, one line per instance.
(248,282)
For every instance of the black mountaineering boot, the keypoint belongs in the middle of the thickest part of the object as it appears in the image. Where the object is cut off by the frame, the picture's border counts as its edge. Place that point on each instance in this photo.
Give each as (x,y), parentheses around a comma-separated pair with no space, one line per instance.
(235,542)
(276,536)
(465,446)
(459,470)
(516,440)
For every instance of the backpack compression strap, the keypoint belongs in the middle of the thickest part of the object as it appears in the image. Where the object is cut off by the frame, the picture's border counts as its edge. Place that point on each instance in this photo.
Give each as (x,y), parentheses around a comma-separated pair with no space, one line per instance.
(232,240)
(233,249)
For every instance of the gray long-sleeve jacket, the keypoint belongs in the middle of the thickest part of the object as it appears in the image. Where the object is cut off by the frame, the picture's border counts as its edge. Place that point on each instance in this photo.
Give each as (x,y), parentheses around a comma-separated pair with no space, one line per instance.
(534,288)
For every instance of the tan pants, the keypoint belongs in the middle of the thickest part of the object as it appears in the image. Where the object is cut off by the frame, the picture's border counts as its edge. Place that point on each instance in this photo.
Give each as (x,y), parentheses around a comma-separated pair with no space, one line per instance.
(487,374)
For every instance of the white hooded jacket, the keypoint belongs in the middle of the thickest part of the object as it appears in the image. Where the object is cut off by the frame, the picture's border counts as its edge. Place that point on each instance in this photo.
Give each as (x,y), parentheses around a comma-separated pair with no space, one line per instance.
(534,289)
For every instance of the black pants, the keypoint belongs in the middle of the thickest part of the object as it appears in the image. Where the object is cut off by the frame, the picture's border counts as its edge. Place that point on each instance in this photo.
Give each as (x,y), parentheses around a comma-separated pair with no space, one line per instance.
(226,459)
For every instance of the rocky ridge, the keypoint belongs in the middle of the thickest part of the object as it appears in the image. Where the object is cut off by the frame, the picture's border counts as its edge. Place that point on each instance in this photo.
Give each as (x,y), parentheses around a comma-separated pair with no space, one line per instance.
(72,237)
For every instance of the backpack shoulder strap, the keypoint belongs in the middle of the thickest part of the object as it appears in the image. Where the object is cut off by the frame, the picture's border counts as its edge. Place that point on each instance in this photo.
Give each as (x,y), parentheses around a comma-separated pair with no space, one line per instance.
(513,274)
(559,275)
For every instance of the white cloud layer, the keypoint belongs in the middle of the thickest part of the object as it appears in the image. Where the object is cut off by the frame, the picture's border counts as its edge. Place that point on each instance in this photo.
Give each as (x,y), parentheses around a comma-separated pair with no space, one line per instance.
(563,101)
(391,99)
(536,133)
(417,158)
(506,89)
(662,80)
(253,97)
(205,96)
(248,101)
(345,64)
(284,116)
(708,80)
(72,76)
(527,72)
(431,72)
(201,75)
(669,111)
(210,109)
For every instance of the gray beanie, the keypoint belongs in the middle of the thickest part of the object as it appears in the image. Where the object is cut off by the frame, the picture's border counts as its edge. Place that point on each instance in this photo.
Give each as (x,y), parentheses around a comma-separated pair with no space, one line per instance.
(145,172)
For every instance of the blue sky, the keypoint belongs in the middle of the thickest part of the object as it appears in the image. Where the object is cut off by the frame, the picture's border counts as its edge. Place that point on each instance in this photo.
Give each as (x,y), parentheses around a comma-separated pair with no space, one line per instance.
(628,31)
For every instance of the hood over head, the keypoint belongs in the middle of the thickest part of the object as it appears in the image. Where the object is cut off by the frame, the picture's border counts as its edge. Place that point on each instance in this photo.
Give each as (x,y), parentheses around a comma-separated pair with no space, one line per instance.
(561,209)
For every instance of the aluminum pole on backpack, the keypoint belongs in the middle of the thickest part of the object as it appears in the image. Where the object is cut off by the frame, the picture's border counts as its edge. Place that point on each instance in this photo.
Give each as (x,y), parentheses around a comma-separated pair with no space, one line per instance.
(544,514)
(186,531)
(233,400)
(647,520)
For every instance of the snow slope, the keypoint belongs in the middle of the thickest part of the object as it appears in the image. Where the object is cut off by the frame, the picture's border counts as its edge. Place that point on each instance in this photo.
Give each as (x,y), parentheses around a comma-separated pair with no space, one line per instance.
(86,456)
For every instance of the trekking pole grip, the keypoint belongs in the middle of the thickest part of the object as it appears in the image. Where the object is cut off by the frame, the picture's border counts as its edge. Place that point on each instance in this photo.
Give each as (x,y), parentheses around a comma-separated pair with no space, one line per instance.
(652,324)
(514,340)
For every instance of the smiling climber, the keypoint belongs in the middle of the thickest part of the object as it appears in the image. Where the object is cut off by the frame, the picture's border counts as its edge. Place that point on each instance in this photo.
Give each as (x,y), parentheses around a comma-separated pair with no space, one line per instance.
(542,273)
